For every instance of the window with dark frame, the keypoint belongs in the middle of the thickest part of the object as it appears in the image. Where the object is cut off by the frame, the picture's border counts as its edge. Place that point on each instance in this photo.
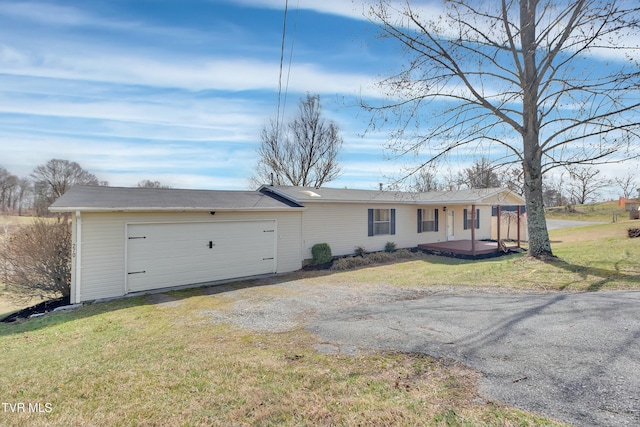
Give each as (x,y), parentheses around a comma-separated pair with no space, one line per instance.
(427,220)
(467,219)
(381,221)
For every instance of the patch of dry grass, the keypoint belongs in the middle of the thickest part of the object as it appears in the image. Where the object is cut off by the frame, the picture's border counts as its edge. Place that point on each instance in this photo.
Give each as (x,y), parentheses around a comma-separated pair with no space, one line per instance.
(134,363)
(8,306)
(12,220)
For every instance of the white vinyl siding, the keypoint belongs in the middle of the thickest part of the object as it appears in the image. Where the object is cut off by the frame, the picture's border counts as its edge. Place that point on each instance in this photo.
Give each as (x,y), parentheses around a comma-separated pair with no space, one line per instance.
(103,244)
(344,227)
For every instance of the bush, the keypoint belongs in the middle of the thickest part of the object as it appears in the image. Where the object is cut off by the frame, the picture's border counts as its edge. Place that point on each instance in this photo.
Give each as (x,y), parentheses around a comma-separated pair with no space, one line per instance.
(390,247)
(350,263)
(321,253)
(35,261)
(360,251)
(380,257)
(403,253)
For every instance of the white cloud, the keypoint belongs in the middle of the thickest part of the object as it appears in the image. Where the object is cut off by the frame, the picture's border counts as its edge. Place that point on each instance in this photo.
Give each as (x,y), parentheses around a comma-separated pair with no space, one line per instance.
(189,73)
(46,13)
(335,7)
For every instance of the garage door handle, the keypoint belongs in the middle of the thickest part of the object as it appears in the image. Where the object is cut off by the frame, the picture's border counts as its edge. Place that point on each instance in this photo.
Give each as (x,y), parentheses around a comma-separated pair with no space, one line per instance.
(211,245)
(138,272)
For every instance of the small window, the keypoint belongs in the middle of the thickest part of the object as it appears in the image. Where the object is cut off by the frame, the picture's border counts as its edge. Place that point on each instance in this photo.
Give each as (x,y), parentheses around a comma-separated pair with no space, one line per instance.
(382,221)
(467,219)
(427,220)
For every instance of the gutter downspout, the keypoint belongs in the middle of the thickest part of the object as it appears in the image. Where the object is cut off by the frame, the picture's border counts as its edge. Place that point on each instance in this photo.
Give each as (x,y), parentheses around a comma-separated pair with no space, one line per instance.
(77,277)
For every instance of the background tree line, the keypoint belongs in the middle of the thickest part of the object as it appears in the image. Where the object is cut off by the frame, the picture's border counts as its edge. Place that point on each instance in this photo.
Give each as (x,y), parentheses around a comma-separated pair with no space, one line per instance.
(576,185)
(34,194)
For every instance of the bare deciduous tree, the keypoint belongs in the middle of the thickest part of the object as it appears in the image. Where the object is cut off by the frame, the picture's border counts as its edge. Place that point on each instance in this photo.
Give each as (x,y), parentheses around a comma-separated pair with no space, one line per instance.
(585,184)
(480,175)
(147,183)
(304,152)
(54,178)
(629,185)
(511,177)
(451,181)
(514,76)
(8,186)
(424,181)
(37,260)
(553,192)
(24,192)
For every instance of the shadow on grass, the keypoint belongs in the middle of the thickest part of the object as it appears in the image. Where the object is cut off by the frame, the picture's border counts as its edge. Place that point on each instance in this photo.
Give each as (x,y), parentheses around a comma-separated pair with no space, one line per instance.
(606,275)
(162,297)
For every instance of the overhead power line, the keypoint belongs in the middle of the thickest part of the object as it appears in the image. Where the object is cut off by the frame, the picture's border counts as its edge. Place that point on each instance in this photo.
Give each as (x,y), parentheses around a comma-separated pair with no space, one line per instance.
(282,100)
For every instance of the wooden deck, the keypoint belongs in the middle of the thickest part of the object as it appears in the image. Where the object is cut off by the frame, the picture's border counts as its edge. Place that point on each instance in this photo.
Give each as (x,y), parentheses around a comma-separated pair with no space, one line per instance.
(464,247)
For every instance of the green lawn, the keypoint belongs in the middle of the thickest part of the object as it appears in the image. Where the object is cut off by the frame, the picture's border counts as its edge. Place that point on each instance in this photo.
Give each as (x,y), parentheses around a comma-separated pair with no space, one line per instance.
(129,362)
(589,258)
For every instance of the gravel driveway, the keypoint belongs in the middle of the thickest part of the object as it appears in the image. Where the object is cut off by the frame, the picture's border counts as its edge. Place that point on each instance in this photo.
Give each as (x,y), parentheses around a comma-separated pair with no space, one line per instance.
(574,357)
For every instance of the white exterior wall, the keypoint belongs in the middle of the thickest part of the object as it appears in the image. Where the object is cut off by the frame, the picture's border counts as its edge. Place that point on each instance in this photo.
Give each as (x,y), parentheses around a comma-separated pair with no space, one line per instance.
(103,243)
(344,226)
(484,232)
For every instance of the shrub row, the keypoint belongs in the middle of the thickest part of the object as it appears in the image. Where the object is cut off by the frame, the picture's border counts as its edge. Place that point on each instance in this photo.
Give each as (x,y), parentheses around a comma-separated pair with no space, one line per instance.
(349,263)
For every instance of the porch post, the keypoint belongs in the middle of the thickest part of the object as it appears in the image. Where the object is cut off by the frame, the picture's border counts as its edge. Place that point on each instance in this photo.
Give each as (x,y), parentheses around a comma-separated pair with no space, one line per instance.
(519,213)
(473,230)
(498,227)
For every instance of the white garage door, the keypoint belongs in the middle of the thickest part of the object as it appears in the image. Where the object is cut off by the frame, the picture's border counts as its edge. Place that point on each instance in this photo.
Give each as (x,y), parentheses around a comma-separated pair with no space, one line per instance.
(164,255)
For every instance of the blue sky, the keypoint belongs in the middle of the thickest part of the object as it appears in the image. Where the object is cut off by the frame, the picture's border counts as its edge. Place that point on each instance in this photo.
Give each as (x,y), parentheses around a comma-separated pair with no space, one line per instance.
(178,90)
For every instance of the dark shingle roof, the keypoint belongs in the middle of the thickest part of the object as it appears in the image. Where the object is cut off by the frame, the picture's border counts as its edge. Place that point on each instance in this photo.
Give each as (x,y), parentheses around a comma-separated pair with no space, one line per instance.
(89,198)
(304,195)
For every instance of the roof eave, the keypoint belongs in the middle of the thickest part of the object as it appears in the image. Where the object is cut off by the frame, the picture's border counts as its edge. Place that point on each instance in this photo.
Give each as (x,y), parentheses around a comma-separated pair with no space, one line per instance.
(171,209)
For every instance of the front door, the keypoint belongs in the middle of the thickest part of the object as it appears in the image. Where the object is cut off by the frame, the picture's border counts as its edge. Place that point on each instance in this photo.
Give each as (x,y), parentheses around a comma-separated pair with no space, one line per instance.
(450,225)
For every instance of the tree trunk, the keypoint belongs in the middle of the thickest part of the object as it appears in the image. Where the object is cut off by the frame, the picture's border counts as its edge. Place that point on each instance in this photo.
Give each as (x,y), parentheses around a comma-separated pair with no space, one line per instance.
(539,244)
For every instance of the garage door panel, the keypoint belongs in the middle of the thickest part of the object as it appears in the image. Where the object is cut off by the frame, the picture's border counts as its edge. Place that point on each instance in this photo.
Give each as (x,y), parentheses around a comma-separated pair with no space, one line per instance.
(163,255)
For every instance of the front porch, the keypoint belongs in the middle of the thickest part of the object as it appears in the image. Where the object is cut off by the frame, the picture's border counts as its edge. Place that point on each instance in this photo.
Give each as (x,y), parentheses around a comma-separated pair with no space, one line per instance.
(469,248)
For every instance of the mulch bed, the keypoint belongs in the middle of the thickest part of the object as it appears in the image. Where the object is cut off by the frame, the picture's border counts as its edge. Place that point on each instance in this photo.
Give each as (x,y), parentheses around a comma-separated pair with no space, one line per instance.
(43,307)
